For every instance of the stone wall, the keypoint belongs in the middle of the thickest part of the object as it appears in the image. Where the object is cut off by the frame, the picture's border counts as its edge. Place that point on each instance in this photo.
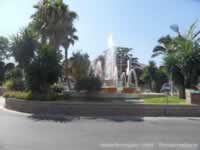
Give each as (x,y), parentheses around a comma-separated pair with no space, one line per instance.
(102,109)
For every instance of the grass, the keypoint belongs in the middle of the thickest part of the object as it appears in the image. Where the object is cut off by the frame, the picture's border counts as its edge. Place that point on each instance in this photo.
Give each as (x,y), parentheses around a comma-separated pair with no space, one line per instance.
(163,100)
(148,99)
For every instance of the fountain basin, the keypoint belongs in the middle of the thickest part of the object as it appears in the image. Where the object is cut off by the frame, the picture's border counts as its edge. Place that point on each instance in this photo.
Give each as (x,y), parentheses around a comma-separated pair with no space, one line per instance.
(129,90)
(109,89)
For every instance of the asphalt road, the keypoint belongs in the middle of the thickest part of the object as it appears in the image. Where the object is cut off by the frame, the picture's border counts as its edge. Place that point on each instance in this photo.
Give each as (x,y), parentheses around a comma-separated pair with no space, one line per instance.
(28,132)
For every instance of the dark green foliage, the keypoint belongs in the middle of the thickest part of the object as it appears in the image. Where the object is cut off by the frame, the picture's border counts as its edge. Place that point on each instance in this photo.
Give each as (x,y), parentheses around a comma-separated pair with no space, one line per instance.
(15,73)
(14,80)
(161,78)
(80,65)
(5,71)
(2,72)
(28,95)
(182,57)
(4,48)
(9,67)
(36,48)
(88,84)
(44,70)
(154,76)
(53,20)
(22,47)
(15,84)
(57,88)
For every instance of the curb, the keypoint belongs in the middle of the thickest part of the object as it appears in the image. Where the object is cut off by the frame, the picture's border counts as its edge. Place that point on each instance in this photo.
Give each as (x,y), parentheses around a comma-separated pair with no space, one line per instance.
(101,109)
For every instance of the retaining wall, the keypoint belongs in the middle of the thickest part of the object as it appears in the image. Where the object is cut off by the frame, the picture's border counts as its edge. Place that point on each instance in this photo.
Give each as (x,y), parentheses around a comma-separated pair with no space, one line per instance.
(101,109)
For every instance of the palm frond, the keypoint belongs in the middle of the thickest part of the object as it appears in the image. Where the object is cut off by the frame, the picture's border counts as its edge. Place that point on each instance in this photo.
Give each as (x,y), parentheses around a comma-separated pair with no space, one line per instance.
(191,30)
(159,49)
(175,28)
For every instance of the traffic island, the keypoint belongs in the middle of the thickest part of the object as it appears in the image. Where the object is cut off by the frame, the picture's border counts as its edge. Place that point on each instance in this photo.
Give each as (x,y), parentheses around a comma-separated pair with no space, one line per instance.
(101,109)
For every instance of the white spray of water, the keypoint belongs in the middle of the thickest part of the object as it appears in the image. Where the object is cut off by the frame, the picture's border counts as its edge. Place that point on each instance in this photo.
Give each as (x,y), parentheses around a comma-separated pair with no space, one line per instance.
(110,61)
(131,72)
(98,70)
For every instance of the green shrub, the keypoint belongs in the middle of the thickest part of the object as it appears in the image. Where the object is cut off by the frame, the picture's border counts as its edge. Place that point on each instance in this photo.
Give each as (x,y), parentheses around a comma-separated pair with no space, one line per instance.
(8,84)
(58,88)
(2,72)
(28,95)
(89,84)
(15,84)
(15,73)
(18,94)
(44,69)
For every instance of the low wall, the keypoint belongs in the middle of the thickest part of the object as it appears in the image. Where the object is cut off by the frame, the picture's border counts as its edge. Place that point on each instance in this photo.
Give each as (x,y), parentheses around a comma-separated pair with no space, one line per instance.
(101,109)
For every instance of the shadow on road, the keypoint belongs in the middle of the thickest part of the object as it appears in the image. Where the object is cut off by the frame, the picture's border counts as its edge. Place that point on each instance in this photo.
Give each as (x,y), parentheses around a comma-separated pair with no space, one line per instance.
(64,119)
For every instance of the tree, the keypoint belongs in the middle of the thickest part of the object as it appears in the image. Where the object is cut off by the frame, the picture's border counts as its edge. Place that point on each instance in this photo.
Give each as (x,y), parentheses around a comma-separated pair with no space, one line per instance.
(44,70)
(4,48)
(154,76)
(14,79)
(149,74)
(2,71)
(9,66)
(166,45)
(183,60)
(79,64)
(23,46)
(172,65)
(54,22)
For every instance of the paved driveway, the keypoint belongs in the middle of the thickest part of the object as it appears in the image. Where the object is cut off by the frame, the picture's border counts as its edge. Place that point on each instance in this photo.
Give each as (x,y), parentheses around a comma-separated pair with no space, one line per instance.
(25,132)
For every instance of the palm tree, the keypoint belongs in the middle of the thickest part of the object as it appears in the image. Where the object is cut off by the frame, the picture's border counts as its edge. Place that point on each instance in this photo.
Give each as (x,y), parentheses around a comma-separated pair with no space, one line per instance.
(4,48)
(184,63)
(22,47)
(54,23)
(166,45)
(189,52)
(68,40)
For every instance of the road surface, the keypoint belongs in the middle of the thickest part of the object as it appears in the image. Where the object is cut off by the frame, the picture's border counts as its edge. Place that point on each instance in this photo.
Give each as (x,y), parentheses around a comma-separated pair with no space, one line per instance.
(28,132)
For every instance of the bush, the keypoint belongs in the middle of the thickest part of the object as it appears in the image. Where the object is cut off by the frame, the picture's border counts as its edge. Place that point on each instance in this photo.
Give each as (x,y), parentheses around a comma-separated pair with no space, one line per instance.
(58,88)
(89,84)
(15,84)
(28,95)
(44,70)
(18,94)
(2,72)
(15,73)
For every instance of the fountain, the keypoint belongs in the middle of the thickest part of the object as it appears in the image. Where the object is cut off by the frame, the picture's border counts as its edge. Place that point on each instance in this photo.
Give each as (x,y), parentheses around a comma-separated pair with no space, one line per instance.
(128,84)
(123,79)
(98,70)
(131,73)
(111,74)
(116,80)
